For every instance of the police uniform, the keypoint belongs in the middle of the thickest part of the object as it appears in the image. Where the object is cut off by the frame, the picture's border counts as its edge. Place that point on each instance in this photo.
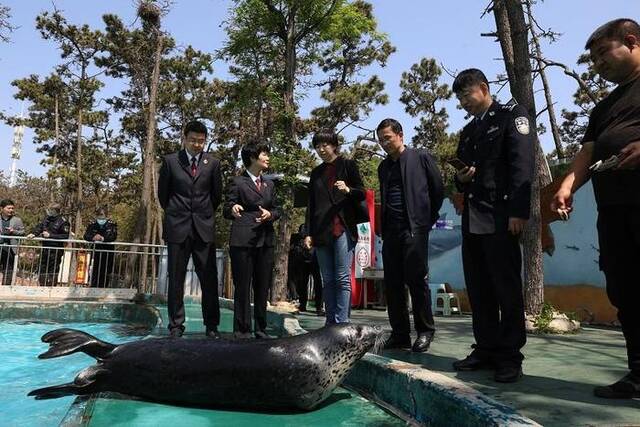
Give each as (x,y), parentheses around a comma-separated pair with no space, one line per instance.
(49,264)
(103,255)
(500,145)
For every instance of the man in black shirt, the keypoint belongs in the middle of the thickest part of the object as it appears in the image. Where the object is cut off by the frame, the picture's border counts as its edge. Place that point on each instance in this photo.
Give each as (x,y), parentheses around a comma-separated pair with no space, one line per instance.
(497,147)
(614,130)
(411,194)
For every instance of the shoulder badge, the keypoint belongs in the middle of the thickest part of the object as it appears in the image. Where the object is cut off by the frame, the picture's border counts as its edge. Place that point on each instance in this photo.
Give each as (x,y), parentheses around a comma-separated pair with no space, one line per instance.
(522,125)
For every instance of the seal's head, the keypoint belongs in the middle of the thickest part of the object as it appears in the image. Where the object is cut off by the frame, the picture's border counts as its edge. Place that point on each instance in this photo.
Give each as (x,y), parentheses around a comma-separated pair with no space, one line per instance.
(359,339)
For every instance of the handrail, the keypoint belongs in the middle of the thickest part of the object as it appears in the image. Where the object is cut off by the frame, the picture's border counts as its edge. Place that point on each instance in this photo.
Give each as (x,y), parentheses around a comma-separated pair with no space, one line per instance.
(44,239)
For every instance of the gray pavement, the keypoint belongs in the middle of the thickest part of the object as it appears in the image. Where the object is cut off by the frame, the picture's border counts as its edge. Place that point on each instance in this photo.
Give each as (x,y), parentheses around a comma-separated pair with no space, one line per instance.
(560,370)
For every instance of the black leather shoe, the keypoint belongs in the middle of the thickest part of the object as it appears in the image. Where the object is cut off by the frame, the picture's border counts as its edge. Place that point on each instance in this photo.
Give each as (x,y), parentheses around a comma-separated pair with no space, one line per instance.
(395,342)
(422,343)
(471,363)
(176,332)
(241,335)
(508,373)
(213,333)
(627,387)
(262,335)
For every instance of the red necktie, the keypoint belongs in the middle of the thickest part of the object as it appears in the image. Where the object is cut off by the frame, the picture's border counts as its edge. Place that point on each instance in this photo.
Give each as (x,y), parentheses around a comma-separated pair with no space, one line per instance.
(259,184)
(194,166)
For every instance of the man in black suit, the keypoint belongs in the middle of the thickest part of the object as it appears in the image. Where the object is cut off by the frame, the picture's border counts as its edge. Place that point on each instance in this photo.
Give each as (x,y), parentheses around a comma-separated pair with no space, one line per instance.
(190,190)
(497,148)
(251,205)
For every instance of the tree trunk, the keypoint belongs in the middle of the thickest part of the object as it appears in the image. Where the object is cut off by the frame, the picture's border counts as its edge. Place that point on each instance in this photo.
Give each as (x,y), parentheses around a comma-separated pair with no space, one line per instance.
(78,221)
(146,213)
(279,290)
(52,185)
(545,84)
(512,33)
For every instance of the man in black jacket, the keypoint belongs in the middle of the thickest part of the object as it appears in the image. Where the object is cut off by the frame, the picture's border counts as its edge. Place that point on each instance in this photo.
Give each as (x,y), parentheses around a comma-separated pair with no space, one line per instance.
(497,148)
(189,191)
(53,226)
(411,194)
(101,232)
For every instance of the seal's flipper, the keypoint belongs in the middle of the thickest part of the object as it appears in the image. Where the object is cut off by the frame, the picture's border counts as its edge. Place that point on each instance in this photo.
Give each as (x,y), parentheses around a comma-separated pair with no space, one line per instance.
(67,341)
(85,383)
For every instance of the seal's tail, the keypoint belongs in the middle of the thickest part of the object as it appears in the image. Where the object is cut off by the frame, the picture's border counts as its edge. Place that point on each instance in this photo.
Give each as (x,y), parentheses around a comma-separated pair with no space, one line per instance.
(84,383)
(67,341)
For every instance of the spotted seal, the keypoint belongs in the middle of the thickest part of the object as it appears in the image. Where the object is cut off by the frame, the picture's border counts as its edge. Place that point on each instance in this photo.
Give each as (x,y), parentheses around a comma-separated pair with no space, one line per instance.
(297,372)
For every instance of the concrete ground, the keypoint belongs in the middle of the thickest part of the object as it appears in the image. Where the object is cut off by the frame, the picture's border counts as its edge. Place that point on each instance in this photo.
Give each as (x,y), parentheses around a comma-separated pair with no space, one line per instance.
(560,370)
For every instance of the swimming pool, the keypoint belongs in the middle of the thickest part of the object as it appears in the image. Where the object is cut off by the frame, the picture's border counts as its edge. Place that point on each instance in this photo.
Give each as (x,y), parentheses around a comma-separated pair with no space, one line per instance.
(21,371)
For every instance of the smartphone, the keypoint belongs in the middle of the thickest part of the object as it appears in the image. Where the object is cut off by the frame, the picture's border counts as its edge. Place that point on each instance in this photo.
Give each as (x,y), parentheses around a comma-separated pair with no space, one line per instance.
(457,163)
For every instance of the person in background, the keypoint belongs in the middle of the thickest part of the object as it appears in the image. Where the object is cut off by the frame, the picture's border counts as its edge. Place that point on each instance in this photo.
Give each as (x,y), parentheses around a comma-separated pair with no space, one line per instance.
(53,227)
(335,193)
(11,225)
(102,230)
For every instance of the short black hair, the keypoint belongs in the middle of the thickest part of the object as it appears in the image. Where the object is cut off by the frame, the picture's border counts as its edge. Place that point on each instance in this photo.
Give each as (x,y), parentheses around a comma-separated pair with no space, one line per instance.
(252,150)
(395,126)
(615,30)
(325,136)
(196,127)
(6,202)
(468,78)
(101,210)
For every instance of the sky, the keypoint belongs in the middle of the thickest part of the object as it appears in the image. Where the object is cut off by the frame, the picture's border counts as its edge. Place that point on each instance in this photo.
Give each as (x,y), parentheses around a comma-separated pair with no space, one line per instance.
(448,31)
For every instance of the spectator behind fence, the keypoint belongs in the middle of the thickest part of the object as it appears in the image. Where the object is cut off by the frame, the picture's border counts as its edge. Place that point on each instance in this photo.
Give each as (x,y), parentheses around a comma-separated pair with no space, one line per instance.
(333,210)
(11,226)
(53,226)
(251,205)
(189,191)
(102,230)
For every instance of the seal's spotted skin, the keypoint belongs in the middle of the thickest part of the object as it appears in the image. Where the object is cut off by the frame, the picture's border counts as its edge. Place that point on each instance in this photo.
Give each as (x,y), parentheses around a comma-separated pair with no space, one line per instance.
(286,373)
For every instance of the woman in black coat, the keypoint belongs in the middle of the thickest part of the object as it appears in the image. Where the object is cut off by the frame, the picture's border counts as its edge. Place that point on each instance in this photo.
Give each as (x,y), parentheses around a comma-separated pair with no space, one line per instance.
(333,211)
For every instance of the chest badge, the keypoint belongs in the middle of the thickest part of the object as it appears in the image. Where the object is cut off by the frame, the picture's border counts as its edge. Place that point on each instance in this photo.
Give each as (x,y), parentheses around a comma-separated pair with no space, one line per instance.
(493,129)
(522,125)
(205,161)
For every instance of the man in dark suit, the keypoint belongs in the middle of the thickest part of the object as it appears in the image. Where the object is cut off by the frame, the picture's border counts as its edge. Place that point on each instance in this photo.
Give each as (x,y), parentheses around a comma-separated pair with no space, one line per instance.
(190,190)
(251,205)
(497,148)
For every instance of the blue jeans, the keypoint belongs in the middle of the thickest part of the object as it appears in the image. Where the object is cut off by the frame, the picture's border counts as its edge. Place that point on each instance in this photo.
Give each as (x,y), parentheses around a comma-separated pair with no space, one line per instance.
(335,268)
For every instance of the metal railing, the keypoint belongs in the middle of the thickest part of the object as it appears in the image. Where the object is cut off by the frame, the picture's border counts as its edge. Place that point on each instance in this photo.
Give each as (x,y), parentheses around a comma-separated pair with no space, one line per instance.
(69,262)
(107,265)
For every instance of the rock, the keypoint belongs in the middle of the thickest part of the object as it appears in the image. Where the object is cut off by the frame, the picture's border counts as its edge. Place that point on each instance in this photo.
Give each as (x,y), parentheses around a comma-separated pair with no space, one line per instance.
(562,324)
(529,323)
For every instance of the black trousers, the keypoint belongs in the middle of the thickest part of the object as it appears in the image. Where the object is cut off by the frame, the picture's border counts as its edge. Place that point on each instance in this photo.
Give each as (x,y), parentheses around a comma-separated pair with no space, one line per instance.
(492,267)
(204,261)
(405,263)
(309,268)
(49,265)
(102,268)
(250,267)
(619,239)
(6,264)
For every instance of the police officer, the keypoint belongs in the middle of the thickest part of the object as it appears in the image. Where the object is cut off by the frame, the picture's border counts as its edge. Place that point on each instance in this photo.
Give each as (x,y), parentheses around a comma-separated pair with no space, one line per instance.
(497,149)
(102,230)
(614,133)
(53,226)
